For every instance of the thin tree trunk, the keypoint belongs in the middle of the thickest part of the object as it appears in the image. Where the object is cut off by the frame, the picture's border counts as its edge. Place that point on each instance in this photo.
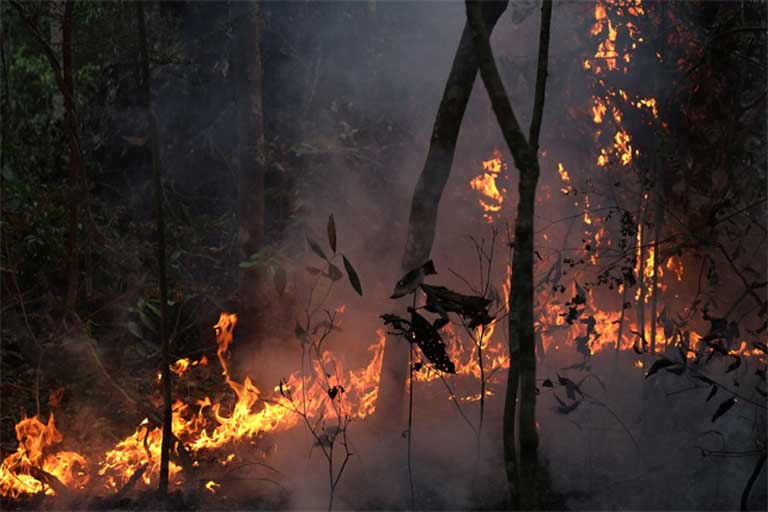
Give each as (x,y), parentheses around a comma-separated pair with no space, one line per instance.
(75,160)
(63,74)
(247,17)
(523,483)
(426,198)
(165,373)
(642,218)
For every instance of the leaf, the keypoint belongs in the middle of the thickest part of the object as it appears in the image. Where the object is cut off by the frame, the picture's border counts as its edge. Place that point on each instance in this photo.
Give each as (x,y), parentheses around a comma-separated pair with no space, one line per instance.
(442,300)
(134,328)
(249,264)
(571,388)
(724,407)
(334,273)
(352,275)
(316,248)
(427,337)
(547,383)
(280,278)
(712,392)
(300,333)
(734,365)
(332,233)
(566,408)
(659,364)
(332,392)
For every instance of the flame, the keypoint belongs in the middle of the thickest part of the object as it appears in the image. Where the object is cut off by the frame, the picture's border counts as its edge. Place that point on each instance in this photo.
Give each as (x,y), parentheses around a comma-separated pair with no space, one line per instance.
(35,438)
(485,183)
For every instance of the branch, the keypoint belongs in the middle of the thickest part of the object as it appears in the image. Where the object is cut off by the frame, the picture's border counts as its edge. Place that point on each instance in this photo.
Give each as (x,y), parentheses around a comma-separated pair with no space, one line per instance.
(541,75)
(522,153)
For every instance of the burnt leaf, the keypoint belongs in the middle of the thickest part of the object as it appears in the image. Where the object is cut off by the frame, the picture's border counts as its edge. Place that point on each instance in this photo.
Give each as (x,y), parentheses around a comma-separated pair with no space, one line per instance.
(332,392)
(734,365)
(580,294)
(724,407)
(659,364)
(334,273)
(712,392)
(397,322)
(564,408)
(547,383)
(571,388)
(428,338)
(704,379)
(352,275)
(482,318)
(332,233)
(582,345)
(636,347)
(316,248)
(440,300)
(677,369)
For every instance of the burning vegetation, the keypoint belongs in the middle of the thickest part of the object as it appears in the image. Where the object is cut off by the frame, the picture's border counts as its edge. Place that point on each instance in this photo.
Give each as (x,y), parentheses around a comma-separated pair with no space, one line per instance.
(645,282)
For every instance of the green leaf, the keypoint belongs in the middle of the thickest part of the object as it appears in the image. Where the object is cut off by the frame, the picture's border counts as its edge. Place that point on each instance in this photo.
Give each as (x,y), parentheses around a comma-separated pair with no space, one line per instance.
(353,279)
(316,248)
(249,264)
(134,329)
(332,233)
(334,273)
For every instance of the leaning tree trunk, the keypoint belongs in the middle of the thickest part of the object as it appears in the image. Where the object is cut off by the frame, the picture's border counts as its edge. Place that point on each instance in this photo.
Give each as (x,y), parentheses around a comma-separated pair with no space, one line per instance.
(523,481)
(251,154)
(426,198)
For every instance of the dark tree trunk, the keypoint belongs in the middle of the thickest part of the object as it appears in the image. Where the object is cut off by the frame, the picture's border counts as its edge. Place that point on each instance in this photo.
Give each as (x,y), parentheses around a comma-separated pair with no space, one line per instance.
(426,197)
(75,159)
(523,479)
(154,145)
(251,156)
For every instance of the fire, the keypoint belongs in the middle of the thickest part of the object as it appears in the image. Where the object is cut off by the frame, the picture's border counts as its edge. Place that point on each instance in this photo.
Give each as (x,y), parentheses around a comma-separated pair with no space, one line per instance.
(485,183)
(24,470)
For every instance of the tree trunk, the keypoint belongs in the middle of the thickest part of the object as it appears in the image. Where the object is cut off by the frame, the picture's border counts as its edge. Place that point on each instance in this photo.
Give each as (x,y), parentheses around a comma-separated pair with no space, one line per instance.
(251,156)
(154,138)
(75,160)
(426,198)
(523,482)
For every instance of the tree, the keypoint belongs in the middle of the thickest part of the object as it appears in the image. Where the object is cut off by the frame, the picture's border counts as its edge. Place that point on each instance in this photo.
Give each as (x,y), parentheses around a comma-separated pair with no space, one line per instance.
(165,449)
(522,343)
(63,74)
(251,151)
(429,189)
